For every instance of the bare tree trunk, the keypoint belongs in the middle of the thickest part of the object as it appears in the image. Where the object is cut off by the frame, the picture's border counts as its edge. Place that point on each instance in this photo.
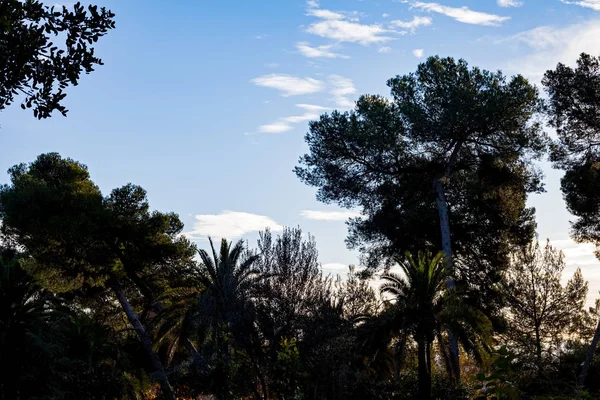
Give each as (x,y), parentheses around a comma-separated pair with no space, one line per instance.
(588,357)
(442,206)
(161,375)
(538,349)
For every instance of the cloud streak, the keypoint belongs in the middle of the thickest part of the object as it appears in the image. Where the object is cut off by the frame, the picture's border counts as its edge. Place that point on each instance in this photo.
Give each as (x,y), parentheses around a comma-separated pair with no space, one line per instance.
(290,85)
(282,125)
(323,51)
(593,4)
(462,14)
(412,25)
(510,3)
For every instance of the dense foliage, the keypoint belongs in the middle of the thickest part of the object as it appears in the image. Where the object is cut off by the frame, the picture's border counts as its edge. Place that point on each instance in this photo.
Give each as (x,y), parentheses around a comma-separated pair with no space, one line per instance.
(102,297)
(44,49)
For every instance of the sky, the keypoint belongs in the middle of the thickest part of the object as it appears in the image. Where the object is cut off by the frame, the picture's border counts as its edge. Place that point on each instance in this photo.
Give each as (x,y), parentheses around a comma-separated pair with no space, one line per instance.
(205,103)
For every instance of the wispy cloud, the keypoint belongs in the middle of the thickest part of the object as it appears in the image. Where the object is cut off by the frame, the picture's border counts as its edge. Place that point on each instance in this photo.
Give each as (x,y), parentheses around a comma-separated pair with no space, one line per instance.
(593,4)
(345,31)
(323,51)
(311,112)
(341,88)
(510,3)
(462,14)
(230,225)
(547,46)
(418,53)
(345,27)
(329,215)
(412,25)
(271,65)
(325,14)
(290,85)
(384,49)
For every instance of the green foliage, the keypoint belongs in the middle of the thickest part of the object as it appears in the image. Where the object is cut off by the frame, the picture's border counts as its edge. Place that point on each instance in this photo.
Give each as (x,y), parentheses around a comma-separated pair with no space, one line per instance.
(540,311)
(287,370)
(103,291)
(33,63)
(426,309)
(497,383)
(472,130)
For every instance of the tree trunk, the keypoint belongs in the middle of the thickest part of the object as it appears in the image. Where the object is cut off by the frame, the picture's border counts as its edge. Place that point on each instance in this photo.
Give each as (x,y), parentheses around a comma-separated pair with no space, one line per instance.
(424,370)
(161,375)
(538,349)
(399,357)
(442,206)
(589,356)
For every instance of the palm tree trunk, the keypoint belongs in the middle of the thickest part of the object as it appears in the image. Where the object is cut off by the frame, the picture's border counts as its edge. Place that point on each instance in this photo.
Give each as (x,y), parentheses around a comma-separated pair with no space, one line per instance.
(424,355)
(161,375)
(588,357)
(442,206)
(399,357)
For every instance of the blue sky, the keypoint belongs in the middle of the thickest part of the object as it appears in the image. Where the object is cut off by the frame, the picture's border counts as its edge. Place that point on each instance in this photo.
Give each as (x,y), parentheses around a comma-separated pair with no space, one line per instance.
(205,103)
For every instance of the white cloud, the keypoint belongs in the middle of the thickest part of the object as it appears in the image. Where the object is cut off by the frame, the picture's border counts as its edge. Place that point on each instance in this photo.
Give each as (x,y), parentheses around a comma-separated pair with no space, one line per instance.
(385,15)
(547,46)
(593,4)
(323,51)
(384,49)
(344,27)
(346,31)
(312,112)
(230,225)
(325,14)
(418,53)
(510,3)
(312,107)
(275,127)
(329,215)
(335,267)
(312,4)
(259,37)
(412,25)
(271,65)
(462,14)
(290,85)
(341,88)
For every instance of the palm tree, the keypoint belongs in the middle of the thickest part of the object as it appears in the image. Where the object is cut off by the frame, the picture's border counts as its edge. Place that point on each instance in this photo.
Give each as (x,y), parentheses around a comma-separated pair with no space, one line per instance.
(426,309)
(214,306)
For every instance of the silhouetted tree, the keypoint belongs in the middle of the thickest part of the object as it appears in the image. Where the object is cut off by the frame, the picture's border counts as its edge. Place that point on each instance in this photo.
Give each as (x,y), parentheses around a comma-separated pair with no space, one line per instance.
(540,311)
(82,241)
(424,308)
(574,111)
(33,61)
(445,164)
